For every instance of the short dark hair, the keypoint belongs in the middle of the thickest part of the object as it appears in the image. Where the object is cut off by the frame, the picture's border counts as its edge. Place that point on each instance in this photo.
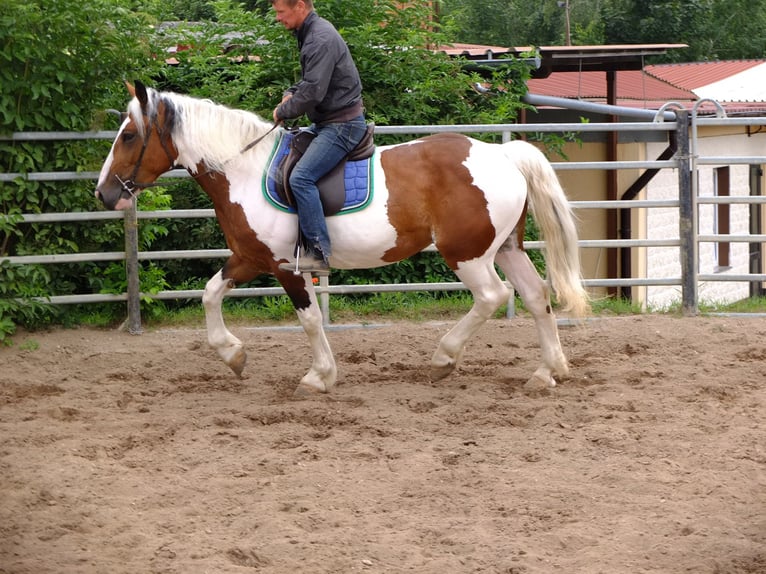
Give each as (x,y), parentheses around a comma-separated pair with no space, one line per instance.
(291,3)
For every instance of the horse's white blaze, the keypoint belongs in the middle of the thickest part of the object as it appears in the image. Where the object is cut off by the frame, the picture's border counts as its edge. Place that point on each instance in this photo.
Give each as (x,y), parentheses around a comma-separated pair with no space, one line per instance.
(107,167)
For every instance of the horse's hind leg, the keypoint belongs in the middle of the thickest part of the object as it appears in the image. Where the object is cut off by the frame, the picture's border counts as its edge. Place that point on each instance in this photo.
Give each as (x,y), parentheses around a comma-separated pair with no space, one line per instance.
(534,292)
(228,347)
(489,293)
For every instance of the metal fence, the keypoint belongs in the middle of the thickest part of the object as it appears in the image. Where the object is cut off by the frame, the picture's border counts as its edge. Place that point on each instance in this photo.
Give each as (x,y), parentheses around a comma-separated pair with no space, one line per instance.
(686,161)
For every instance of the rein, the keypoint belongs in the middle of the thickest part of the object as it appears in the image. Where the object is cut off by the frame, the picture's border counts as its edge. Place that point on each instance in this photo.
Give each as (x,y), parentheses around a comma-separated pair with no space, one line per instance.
(131,187)
(248,147)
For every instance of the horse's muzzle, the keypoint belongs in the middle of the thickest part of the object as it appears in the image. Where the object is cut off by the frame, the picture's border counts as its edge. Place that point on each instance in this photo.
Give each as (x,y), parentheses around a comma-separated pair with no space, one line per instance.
(115,201)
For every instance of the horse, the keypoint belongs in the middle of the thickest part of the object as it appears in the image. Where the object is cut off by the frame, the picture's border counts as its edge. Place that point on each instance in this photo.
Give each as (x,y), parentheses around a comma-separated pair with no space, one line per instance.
(466,197)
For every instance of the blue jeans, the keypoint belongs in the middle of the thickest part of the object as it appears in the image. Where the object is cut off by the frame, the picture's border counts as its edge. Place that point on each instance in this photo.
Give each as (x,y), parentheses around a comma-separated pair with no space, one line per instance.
(332,144)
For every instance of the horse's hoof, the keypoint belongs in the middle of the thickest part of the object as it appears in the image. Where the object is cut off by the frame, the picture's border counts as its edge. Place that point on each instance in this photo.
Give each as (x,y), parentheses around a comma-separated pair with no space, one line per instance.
(237,364)
(303,392)
(438,373)
(538,385)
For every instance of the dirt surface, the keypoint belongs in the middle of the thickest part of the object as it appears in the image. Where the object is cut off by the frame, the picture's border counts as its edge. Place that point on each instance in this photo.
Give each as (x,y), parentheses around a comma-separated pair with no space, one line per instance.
(144,454)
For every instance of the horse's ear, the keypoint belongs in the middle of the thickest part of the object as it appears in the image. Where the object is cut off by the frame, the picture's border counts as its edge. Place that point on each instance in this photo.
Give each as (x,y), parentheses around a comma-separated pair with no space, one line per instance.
(131,89)
(141,93)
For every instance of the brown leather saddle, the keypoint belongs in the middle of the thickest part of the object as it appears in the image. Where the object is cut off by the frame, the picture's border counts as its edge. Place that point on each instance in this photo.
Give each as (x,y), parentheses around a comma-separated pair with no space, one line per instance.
(332,188)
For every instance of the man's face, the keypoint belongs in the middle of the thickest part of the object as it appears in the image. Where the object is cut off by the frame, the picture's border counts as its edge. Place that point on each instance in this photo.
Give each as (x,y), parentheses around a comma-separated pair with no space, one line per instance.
(290,18)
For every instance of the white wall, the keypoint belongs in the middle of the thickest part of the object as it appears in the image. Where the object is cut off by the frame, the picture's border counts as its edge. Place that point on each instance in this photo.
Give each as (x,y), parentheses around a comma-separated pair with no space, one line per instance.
(663,223)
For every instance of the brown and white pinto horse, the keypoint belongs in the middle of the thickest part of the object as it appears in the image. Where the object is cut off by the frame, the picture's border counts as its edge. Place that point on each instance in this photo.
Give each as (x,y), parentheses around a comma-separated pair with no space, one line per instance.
(467,197)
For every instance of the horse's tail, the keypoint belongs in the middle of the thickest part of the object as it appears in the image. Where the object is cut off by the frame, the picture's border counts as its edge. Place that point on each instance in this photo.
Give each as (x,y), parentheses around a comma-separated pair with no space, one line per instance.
(553,214)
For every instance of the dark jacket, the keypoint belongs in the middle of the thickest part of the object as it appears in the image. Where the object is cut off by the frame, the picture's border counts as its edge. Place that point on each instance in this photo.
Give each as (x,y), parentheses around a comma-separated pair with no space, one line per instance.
(330,89)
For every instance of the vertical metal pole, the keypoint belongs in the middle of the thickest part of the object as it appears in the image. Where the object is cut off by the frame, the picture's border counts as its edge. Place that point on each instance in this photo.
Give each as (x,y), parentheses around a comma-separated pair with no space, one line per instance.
(687,216)
(131,269)
(756,249)
(324,298)
(510,310)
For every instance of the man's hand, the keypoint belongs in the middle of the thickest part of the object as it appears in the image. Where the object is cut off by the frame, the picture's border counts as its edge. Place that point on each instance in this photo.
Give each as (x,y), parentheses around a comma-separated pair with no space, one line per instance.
(274,114)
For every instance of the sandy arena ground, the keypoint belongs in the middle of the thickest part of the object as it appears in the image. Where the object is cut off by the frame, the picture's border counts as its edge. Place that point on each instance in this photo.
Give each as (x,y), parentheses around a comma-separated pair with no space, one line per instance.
(145,454)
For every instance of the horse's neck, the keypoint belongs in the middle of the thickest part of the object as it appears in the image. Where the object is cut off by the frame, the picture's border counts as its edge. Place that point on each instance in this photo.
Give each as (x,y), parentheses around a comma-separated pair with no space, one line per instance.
(245,167)
(214,184)
(224,142)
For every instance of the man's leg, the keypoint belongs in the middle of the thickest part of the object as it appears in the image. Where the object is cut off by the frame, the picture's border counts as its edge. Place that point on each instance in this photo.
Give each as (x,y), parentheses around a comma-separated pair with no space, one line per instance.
(332,144)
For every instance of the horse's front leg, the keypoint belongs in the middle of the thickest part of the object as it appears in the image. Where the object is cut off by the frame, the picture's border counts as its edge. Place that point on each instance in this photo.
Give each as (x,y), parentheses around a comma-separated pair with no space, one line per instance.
(228,347)
(323,373)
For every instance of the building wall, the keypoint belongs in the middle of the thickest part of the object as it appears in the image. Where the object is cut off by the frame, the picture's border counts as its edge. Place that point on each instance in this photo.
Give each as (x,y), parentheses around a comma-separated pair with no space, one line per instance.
(587,185)
(663,223)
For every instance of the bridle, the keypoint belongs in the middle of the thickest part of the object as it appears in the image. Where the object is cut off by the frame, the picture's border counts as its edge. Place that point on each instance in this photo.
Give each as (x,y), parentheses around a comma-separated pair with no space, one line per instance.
(132,187)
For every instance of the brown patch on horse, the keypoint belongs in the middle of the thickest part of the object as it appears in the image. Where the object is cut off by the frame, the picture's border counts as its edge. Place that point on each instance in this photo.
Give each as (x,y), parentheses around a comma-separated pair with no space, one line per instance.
(433,198)
(255,256)
(250,256)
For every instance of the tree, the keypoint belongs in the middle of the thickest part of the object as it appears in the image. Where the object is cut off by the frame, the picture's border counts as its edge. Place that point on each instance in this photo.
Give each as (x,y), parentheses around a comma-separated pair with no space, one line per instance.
(713,29)
(522,22)
(62,63)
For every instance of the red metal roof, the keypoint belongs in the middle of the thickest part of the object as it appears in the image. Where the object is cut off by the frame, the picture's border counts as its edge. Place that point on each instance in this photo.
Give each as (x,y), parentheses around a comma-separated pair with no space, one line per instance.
(651,88)
(579,72)
(693,75)
(631,85)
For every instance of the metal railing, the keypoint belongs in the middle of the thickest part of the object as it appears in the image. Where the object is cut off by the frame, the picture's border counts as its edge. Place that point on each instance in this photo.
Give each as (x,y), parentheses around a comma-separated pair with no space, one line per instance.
(685,160)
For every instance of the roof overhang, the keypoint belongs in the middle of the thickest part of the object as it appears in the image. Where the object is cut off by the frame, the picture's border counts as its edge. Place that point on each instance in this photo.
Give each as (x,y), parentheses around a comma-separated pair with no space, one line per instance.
(548,59)
(598,58)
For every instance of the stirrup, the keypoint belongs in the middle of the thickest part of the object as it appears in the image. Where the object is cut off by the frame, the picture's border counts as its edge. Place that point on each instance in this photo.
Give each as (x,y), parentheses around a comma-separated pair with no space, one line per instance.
(307,264)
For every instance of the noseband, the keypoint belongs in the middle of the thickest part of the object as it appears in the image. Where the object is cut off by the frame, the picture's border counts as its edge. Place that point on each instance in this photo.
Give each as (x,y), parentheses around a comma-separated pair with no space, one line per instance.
(130,185)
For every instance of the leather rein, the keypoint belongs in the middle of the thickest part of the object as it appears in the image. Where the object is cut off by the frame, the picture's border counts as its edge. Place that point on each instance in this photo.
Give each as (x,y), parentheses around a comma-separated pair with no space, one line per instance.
(132,187)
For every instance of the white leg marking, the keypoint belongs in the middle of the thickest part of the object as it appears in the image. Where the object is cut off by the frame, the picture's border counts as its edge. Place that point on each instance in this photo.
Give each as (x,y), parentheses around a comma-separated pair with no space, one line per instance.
(228,347)
(535,294)
(489,293)
(323,372)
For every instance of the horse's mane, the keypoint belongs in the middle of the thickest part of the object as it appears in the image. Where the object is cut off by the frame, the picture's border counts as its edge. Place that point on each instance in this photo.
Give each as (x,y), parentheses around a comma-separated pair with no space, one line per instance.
(202,130)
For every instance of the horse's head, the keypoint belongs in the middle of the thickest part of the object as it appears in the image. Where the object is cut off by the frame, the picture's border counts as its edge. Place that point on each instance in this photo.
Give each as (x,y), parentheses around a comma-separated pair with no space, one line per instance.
(142,151)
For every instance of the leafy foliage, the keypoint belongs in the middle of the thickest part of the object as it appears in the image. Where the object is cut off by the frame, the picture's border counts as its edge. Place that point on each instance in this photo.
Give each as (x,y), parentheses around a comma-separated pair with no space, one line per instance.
(713,29)
(61,66)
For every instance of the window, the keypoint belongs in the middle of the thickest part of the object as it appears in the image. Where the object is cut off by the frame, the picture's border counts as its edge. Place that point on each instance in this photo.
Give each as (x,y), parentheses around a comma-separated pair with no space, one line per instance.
(722,217)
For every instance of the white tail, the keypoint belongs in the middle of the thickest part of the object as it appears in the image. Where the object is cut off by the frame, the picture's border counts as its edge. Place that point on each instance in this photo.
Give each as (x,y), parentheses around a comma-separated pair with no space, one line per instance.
(550,208)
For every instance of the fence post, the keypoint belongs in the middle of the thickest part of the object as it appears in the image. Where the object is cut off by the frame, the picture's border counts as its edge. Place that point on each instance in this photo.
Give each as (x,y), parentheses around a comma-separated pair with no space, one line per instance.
(510,310)
(687,218)
(131,269)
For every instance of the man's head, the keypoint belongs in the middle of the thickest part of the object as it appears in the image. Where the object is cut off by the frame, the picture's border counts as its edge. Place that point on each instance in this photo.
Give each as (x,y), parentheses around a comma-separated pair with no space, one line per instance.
(292,13)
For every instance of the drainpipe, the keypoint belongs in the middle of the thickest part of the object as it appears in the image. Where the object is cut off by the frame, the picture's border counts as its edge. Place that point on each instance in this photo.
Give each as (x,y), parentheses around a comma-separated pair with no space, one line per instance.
(612,229)
(582,106)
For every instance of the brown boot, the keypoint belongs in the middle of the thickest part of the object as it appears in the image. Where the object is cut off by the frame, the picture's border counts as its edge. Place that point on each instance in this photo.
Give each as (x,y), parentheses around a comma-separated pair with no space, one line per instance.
(309,263)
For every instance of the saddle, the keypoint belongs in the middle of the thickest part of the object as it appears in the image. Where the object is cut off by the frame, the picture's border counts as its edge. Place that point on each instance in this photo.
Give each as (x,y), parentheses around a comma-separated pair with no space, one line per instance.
(332,188)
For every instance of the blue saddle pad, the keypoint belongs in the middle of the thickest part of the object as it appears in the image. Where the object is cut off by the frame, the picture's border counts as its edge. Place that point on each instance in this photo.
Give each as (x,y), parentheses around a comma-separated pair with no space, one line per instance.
(357,179)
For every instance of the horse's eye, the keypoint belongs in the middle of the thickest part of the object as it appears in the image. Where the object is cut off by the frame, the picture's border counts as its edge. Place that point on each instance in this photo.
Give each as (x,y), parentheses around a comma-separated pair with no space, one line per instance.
(128,137)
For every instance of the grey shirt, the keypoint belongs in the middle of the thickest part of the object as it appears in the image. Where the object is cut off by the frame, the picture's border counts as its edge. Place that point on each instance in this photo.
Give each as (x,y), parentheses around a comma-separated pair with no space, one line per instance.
(330,88)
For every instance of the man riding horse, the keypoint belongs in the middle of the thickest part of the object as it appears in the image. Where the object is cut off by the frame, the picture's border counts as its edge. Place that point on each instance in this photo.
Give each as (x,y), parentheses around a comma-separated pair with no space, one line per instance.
(330,94)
